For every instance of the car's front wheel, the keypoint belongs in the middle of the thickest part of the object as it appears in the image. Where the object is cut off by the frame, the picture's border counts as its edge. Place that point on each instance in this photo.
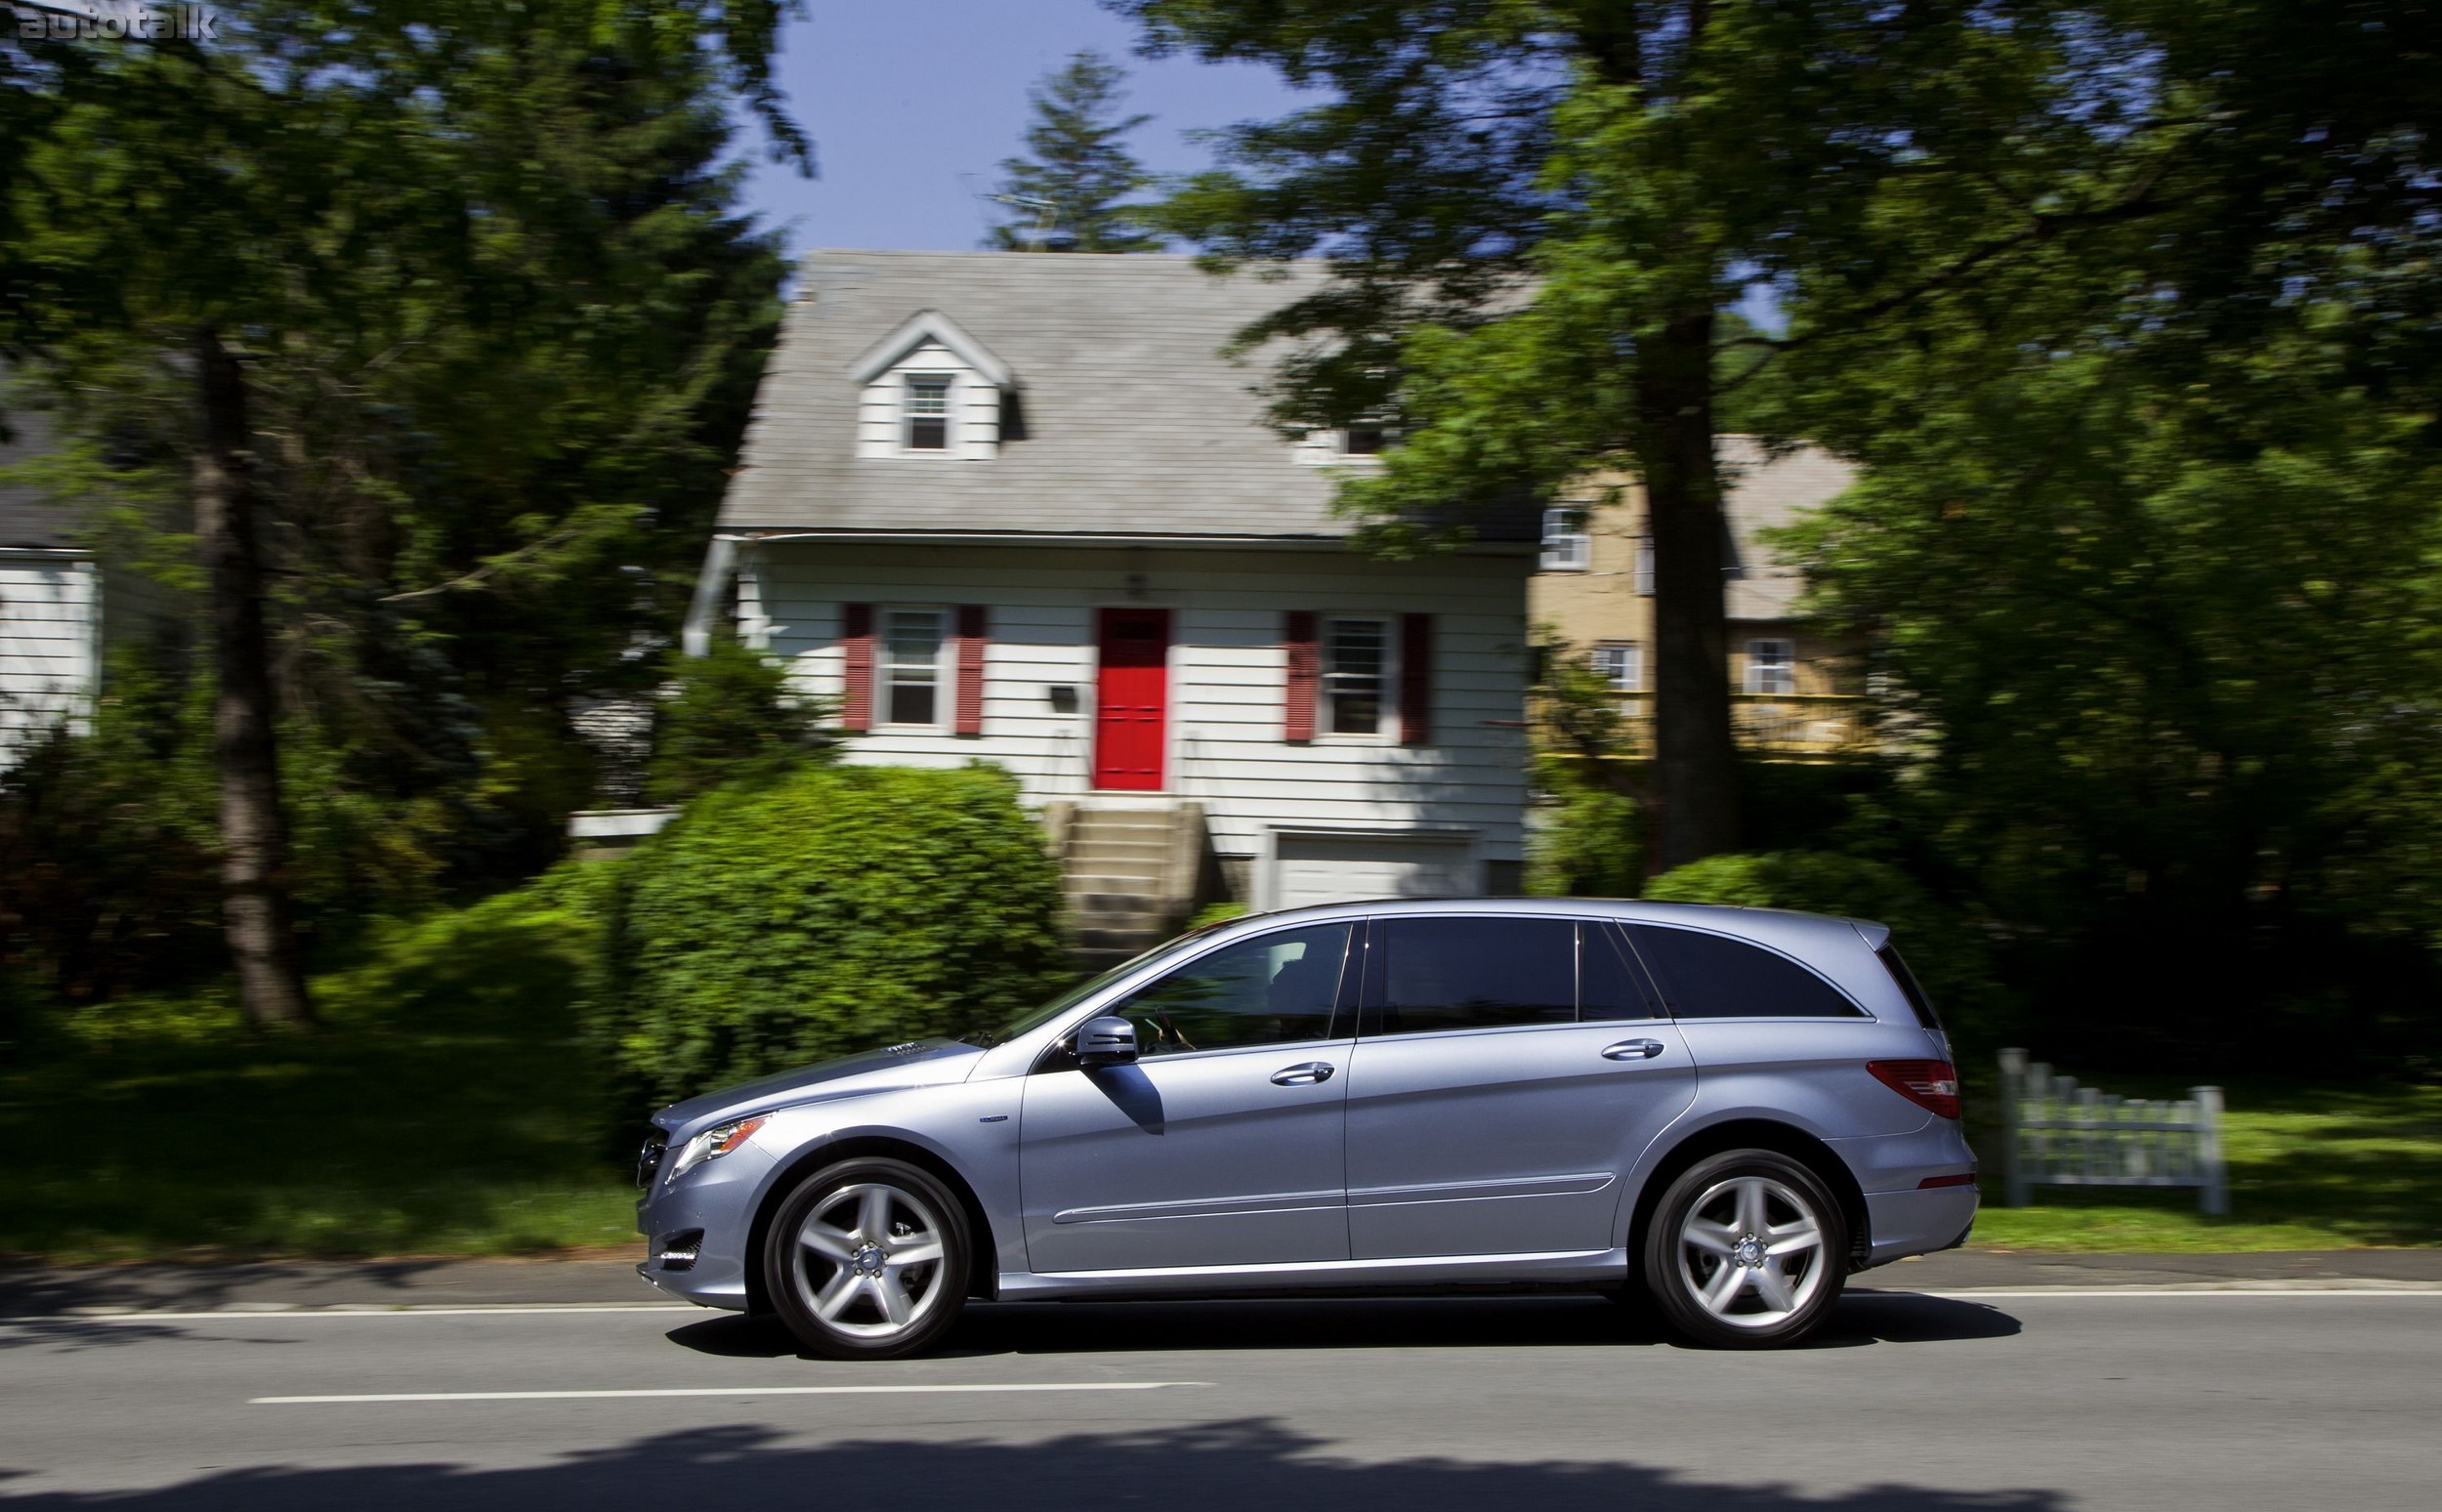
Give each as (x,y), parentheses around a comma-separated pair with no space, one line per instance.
(1746,1250)
(867,1259)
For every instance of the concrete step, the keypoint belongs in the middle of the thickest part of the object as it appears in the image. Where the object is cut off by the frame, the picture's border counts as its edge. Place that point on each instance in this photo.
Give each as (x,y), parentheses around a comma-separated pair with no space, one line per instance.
(1114,880)
(1092,823)
(1091,846)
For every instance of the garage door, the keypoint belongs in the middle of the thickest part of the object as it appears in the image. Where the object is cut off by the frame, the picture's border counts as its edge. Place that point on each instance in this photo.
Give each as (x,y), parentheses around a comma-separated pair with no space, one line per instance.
(1348,869)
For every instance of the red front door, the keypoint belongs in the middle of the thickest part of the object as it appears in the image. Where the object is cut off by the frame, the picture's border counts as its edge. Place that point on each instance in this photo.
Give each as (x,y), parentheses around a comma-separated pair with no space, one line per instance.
(1132,699)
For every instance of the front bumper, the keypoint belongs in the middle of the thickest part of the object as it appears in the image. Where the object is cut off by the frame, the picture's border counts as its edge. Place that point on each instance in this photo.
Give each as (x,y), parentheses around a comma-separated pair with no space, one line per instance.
(718,1199)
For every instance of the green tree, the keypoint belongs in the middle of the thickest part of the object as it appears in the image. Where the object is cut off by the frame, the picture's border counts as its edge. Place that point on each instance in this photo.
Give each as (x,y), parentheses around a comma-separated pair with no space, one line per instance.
(1540,211)
(1070,194)
(464,324)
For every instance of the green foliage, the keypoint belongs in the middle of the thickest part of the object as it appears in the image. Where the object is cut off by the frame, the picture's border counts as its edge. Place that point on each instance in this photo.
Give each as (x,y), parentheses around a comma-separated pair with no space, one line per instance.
(1081,172)
(826,911)
(731,716)
(1216,913)
(1588,843)
(1948,959)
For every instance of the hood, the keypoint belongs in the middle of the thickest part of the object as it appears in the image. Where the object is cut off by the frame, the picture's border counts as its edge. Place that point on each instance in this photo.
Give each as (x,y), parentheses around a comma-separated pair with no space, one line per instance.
(919,1063)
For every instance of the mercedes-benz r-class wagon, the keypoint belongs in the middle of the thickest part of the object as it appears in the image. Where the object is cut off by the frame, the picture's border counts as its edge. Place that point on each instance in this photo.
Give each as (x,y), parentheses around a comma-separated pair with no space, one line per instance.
(1731,1108)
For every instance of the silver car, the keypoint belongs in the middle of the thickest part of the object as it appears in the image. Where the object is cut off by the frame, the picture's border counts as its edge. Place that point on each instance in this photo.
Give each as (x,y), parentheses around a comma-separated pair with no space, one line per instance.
(1733,1108)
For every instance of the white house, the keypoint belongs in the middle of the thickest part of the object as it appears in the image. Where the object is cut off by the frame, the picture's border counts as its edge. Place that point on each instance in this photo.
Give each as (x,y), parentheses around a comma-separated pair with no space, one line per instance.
(1016,506)
(50,602)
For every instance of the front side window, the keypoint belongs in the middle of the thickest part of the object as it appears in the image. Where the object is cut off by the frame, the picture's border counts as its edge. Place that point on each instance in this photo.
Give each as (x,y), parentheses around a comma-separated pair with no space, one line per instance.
(911,666)
(1621,666)
(1771,667)
(1714,976)
(928,411)
(1354,669)
(1436,972)
(1567,545)
(1276,988)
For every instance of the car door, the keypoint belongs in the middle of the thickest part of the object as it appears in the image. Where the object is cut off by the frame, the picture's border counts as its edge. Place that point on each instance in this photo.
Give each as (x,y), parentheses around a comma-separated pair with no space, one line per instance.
(1508,1071)
(1225,1143)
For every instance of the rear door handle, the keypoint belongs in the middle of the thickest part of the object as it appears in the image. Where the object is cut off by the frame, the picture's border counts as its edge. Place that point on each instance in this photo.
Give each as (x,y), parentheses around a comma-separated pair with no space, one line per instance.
(1305,1076)
(1630,1050)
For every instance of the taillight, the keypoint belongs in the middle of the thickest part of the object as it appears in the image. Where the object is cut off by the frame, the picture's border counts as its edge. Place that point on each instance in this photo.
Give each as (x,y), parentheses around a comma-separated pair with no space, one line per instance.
(1933,1085)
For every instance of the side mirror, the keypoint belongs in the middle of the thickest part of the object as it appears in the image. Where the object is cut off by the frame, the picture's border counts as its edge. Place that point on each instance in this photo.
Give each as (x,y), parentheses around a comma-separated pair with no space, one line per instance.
(1106,1041)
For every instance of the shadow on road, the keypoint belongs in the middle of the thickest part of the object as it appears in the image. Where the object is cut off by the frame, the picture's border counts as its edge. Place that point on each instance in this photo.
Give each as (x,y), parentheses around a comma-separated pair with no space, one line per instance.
(1248,1464)
(1404,1322)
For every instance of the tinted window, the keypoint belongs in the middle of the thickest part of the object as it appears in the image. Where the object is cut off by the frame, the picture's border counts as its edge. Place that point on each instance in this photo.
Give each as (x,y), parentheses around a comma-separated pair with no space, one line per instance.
(1911,987)
(1444,973)
(1710,977)
(1266,991)
(1607,981)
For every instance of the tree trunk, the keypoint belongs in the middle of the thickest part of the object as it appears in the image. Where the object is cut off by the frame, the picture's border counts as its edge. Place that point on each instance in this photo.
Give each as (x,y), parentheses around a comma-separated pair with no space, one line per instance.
(254,831)
(1693,803)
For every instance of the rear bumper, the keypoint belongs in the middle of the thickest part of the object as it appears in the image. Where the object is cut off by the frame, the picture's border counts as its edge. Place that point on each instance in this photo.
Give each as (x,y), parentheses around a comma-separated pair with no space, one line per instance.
(1919,1223)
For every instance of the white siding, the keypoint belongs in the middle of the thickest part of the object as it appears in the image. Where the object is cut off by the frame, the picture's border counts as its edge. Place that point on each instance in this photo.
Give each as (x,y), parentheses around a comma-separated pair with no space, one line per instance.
(47,609)
(974,408)
(1228,674)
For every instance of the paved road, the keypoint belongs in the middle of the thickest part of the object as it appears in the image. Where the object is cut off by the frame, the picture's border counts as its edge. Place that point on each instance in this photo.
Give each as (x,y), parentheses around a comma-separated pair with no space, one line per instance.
(1929,1404)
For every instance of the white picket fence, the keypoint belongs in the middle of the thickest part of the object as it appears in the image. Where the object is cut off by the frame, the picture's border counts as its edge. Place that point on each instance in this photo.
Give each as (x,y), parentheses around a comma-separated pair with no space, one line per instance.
(2056,1133)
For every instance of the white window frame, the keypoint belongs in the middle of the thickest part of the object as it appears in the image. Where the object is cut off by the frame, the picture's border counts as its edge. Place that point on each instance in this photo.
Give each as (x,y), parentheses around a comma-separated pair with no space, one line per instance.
(1781,660)
(907,417)
(1641,568)
(1385,730)
(886,666)
(1630,655)
(1568,540)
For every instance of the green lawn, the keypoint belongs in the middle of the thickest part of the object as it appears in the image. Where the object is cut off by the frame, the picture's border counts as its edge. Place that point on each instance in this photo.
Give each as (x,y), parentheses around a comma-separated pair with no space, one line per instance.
(2312,1166)
(445,1109)
(448,1109)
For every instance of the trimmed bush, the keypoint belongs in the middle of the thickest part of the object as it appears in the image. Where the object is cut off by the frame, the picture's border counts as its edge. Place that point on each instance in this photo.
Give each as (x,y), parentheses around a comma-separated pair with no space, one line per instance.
(1944,956)
(824,912)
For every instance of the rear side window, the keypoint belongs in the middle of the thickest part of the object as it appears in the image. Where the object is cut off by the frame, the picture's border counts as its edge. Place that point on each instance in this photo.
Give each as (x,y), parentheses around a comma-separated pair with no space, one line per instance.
(1608,983)
(1910,988)
(1714,976)
(1442,973)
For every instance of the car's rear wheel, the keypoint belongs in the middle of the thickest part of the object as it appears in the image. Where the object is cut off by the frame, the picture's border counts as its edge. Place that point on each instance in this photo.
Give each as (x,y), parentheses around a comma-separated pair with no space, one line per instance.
(867,1259)
(1746,1250)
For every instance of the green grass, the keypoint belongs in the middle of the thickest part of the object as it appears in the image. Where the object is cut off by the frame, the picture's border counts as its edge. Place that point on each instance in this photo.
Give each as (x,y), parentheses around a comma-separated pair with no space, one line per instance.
(447,1108)
(2312,1166)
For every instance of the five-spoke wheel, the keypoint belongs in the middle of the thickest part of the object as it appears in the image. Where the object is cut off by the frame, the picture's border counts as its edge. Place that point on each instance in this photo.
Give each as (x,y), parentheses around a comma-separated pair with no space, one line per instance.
(1746,1248)
(867,1259)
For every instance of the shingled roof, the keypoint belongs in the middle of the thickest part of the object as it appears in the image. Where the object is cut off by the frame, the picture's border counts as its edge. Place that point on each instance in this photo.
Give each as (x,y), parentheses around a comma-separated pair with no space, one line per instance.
(1135,425)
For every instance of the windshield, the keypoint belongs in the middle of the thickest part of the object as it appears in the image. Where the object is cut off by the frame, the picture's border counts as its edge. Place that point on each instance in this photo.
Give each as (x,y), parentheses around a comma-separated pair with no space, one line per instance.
(1076,995)
(1035,1018)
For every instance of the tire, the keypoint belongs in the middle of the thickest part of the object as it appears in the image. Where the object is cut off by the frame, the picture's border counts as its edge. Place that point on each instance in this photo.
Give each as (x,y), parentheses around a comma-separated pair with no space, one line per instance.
(1748,1249)
(850,1294)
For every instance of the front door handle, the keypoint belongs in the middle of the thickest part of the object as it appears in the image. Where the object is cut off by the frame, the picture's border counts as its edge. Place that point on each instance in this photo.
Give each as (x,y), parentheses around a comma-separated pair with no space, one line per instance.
(1305,1076)
(1633,1050)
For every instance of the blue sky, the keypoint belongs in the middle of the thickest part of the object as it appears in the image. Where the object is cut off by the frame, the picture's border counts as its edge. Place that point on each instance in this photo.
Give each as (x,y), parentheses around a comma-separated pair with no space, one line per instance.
(912,108)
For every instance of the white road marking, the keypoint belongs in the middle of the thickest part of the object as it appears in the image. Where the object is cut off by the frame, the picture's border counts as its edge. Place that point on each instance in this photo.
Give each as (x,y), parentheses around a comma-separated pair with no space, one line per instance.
(720,1391)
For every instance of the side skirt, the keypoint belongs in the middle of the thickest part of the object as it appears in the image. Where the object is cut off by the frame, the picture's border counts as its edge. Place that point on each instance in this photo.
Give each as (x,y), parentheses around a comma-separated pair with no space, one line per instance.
(1570,1268)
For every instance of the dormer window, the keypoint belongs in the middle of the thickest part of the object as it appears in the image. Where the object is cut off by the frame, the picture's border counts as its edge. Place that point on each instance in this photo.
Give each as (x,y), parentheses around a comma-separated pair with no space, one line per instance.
(927,412)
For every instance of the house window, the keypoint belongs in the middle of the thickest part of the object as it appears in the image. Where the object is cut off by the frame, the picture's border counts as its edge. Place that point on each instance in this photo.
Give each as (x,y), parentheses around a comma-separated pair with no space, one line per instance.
(928,411)
(1364,439)
(1356,654)
(1567,547)
(911,666)
(1644,565)
(1621,666)
(1771,666)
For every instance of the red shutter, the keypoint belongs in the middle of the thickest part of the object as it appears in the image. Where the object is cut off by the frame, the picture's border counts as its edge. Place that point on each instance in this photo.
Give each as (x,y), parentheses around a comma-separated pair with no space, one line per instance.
(856,645)
(1305,677)
(1415,679)
(970,700)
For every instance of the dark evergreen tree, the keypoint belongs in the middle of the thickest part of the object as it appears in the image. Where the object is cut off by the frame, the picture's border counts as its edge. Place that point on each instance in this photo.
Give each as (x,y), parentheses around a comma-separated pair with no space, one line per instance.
(1070,194)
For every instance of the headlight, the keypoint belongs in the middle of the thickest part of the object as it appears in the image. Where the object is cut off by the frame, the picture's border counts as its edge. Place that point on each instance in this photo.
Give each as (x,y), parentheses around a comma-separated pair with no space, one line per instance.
(714,1143)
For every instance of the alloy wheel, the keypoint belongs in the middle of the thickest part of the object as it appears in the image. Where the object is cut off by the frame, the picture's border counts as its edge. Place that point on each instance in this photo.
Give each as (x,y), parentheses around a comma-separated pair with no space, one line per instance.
(868,1260)
(1751,1250)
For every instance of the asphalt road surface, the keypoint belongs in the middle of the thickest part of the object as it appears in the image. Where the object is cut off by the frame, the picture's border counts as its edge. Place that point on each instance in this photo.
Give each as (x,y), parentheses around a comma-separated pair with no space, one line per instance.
(2064,1398)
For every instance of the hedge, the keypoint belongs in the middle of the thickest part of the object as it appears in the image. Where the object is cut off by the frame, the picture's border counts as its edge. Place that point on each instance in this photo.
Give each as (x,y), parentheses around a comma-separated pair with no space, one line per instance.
(787,919)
